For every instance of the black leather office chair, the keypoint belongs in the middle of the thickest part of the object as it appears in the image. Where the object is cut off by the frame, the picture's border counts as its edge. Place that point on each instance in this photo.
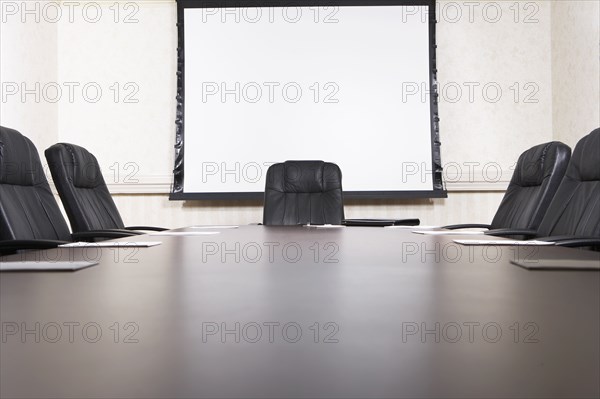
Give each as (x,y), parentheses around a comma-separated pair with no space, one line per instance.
(83,192)
(29,215)
(573,217)
(537,176)
(303,192)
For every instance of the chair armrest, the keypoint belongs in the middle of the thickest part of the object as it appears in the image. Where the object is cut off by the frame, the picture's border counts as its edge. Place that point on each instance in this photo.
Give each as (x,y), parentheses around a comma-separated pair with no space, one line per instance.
(467,226)
(556,238)
(380,222)
(147,228)
(15,245)
(526,233)
(107,234)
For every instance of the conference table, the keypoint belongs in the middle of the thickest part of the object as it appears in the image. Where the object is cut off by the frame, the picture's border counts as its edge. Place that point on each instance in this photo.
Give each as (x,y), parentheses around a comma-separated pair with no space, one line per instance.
(301,311)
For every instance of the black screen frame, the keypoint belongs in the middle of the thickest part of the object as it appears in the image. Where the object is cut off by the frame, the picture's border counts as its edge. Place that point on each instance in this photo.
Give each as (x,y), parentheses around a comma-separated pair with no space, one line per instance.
(177,193)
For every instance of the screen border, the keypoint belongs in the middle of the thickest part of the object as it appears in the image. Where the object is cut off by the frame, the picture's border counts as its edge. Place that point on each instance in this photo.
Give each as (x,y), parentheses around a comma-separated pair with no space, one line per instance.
(177,192)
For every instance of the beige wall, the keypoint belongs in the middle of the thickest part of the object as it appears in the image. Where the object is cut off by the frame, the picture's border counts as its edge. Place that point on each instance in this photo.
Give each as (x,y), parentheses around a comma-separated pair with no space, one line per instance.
(28,57)
(503,69)
(503,50)
(575,69)
(131,56)
(157,211)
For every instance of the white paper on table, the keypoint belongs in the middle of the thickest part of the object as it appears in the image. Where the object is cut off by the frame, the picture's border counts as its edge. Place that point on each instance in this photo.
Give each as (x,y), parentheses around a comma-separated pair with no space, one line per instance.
(111,244)
(502,242)
(558,264)
(449,232)
(214,227)
(325,226)
(184,233)
(44,266)
(412,227)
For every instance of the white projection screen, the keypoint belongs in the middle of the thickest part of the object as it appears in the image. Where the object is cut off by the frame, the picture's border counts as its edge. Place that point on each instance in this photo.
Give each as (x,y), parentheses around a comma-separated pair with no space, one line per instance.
(352,83)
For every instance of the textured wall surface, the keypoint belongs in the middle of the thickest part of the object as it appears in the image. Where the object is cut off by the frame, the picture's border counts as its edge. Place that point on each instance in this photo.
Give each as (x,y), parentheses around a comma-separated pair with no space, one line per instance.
(28,62)
(575,69)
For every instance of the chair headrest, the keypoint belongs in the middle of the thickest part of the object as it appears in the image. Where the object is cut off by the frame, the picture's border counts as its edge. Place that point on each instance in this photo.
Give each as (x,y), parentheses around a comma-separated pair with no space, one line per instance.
(585,162)
(79,164)
(304,177)
(537,163)
(19,160)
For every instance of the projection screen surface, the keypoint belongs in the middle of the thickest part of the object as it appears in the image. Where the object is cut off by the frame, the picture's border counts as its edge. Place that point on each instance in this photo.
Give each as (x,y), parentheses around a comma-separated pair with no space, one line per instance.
(336,83)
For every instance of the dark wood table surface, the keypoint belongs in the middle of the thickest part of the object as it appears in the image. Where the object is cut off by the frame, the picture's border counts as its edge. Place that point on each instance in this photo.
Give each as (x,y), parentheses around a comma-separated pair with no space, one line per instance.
(301,312)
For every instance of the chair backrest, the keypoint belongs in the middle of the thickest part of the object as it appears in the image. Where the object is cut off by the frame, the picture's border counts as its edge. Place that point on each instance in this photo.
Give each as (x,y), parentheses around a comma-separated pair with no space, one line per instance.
(303,192)
(82,189)
(537,176)
(28,209)
(575,209)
